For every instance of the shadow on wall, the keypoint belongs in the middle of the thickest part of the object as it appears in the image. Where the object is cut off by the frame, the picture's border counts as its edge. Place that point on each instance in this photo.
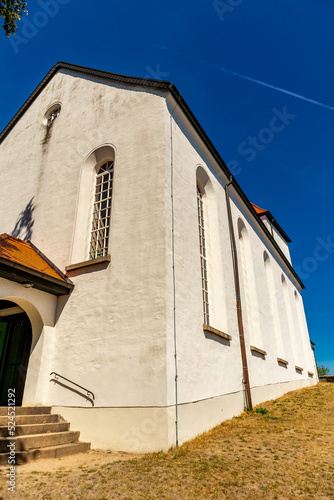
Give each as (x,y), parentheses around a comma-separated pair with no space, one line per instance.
(24,224)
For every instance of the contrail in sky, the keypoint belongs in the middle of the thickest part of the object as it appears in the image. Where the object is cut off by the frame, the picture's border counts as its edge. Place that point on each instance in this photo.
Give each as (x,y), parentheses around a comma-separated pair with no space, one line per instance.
(254,80)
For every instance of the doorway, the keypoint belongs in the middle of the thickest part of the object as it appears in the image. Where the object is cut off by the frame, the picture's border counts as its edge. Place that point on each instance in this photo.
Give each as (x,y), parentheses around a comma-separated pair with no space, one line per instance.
(15,345)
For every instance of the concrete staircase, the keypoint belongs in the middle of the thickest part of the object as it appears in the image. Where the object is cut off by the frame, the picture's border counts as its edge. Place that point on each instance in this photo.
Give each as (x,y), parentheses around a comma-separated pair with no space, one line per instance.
(38,434)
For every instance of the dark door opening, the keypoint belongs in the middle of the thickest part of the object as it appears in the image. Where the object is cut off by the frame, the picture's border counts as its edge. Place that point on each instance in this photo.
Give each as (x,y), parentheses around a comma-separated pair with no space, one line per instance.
(15,345)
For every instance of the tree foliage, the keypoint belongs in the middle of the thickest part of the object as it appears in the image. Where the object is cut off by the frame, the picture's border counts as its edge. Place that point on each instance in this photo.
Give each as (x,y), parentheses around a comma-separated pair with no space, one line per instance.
(323,370)
(11,12)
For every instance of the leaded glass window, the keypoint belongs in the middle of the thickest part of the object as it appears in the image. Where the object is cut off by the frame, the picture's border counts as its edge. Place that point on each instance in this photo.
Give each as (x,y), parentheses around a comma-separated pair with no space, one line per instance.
(102,211)
(203,256)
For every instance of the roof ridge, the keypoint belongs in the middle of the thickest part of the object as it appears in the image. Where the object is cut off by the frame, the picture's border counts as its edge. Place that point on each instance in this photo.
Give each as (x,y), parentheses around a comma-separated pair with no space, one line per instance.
(109,74)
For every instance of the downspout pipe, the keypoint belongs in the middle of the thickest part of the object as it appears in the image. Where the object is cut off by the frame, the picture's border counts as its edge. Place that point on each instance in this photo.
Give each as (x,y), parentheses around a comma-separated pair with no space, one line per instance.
(174,282)
(238,299)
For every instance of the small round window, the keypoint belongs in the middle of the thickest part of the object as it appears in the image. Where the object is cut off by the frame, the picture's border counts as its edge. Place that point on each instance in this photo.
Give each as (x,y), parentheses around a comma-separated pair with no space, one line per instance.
(52,113)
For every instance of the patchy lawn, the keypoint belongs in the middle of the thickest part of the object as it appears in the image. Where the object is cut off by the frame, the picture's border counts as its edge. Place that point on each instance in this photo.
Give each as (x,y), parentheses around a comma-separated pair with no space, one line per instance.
(286,453)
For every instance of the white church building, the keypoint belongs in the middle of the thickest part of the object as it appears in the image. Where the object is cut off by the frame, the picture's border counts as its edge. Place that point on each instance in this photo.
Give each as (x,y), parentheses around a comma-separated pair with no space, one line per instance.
(142,295)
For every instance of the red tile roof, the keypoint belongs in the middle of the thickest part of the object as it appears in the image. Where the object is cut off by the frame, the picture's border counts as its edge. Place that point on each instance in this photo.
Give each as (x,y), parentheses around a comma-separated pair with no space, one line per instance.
(258,210)
(267,213)
(23,253)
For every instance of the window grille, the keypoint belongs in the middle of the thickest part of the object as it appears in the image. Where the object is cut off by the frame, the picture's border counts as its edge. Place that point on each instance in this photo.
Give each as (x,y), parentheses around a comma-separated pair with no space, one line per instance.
(102,211)
(202,247)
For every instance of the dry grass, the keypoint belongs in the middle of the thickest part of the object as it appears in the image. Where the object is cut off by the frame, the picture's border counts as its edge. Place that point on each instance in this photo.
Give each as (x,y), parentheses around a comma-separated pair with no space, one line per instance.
(286,453)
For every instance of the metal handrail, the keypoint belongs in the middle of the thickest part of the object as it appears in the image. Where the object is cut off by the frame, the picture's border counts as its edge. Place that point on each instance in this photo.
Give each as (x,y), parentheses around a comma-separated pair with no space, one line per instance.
(88,392)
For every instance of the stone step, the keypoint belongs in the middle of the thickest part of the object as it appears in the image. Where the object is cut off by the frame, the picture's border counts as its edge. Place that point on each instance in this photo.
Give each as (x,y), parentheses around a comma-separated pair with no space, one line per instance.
(38,434)
(24,443)
(43,428)
(31,419)
(59,451)
(25,410)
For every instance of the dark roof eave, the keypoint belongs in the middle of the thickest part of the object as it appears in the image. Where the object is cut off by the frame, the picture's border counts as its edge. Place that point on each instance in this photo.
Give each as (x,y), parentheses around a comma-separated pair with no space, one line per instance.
(147,82)
(20,274)
(275,224)
(267,233)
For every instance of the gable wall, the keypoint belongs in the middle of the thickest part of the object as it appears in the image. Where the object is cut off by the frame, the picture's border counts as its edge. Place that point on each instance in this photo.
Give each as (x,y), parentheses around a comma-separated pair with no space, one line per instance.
(112,327)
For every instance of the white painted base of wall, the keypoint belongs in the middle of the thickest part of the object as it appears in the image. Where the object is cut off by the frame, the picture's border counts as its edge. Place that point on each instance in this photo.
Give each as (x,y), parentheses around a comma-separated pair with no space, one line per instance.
(201,416)
(273,391)
(140,430)
(134,430)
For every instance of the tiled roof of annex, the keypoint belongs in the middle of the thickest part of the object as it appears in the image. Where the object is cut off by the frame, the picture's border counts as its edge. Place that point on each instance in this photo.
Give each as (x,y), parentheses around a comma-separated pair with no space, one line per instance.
(25,254)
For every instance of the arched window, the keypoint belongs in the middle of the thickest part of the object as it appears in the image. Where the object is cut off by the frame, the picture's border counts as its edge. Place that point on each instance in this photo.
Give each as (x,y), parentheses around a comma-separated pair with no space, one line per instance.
(249,289)
(91,238)
(203,256)
(101,211)
(274,318)
(52,113)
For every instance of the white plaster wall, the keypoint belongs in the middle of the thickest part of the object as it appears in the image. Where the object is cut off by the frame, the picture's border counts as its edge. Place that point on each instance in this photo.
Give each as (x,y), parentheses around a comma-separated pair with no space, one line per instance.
(252,311)
(284,246)
(110,333)
(270,304)
(264,393)
(277,237)
(201,416)
(266,370)
(209,367)
(133,430)
(302,331)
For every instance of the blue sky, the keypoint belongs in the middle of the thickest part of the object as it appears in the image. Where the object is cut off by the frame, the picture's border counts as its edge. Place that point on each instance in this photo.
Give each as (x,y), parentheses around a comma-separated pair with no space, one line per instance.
(217,53)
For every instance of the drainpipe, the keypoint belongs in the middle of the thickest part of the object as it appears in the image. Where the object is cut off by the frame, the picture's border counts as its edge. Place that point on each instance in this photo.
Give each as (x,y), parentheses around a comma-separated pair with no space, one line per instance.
(237,292)
(174,286)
